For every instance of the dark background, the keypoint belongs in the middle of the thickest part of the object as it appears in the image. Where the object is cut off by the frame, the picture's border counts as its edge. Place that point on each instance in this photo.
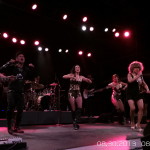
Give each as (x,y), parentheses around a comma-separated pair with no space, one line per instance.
(110,55)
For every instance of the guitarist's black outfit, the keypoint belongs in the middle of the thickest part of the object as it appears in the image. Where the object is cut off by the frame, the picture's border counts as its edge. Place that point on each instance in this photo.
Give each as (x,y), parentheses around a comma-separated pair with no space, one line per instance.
(15,95)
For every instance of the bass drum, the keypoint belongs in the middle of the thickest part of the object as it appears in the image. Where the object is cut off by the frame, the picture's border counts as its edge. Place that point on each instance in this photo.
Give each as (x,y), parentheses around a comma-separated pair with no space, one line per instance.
(44,102)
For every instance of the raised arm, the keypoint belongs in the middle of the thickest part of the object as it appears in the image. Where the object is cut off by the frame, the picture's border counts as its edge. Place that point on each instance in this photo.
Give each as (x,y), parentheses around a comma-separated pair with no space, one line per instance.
(132,79)
(86,79)
(68,76)
(125,85)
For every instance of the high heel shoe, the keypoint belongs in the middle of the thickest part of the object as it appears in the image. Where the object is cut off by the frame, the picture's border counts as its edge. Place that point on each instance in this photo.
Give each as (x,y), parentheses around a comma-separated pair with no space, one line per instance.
(132,126)
(138,128)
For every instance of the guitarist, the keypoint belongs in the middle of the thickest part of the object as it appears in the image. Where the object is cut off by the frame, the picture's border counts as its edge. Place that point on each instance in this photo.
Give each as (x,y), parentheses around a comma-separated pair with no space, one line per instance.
(18,73)
(116,97)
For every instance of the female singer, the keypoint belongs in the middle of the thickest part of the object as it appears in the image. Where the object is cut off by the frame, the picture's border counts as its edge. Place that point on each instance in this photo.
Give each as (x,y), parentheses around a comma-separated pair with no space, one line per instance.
(136,86)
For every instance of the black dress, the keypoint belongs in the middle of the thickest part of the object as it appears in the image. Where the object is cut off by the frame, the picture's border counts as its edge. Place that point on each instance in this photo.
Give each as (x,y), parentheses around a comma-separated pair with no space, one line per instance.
(133,91)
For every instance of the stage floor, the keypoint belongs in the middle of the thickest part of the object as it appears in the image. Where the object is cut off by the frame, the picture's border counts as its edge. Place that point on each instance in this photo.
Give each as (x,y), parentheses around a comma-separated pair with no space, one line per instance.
(90,136)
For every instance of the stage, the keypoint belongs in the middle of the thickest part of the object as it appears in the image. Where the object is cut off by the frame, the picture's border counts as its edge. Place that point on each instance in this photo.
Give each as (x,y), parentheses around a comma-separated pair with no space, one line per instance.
(90,136)
(53,130)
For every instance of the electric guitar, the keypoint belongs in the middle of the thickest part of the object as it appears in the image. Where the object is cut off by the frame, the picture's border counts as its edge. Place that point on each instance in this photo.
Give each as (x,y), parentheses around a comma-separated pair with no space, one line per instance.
(89,93)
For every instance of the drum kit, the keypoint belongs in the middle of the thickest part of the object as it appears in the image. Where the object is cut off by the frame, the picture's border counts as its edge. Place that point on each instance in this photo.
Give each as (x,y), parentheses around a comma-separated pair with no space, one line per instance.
(38,97)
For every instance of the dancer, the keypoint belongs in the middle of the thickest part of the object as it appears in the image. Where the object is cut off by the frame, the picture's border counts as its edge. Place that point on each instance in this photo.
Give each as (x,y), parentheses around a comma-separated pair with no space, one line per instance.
(17,73)
(74,93)
(136,86)
(116,97)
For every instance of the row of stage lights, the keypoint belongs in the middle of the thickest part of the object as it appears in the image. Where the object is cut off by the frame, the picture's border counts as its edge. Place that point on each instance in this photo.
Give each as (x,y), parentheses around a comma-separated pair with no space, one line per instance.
(125,34)
(5,35)
(40,48)
(80,52)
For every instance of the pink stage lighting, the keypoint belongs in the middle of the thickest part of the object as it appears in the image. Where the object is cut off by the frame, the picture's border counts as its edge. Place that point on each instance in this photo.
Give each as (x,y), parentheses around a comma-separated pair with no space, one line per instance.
(117,34)
(14,40)
(22,42)
(36,42)
(126,34)
(80,52)
(5,35)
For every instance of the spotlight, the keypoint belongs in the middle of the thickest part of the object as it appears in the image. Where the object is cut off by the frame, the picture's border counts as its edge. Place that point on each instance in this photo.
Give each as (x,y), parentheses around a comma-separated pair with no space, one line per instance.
(84,28)
(106,29)
(5,35)
(91,28)
(22,42)
(66,51)
(126,34)
(84,19)
(39,48)
(36,42)
(89,55)
(65,17)
(34,6)
(60,50)
(113,30)
(14,40)
(80,52)
(117,34)
(46,49)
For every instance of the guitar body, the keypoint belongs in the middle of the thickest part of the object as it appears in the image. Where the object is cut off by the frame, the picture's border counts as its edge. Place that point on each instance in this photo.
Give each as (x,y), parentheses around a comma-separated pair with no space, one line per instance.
(87,93)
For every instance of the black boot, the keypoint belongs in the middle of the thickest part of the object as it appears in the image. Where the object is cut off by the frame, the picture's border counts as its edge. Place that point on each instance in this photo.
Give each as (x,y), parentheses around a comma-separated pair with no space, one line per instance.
(9,121)
(77,118)
(75,125)
(17,122)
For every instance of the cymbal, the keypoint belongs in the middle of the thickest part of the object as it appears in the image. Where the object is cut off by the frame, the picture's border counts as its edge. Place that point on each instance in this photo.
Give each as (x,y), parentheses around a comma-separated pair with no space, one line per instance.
(37,86)
(53,84)
(28,82)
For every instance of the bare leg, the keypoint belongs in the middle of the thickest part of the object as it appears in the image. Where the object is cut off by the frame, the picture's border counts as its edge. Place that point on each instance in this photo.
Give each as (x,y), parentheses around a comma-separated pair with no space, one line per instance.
(132,112)
(140,112)
(72,103)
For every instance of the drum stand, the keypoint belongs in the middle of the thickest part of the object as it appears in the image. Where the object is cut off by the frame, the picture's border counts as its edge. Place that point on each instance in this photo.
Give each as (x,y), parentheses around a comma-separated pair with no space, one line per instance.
(30,104)
(58,106)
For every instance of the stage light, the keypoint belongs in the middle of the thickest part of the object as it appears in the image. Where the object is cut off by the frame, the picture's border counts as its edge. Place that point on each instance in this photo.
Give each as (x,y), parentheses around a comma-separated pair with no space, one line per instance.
(65,17)
(36,42)
(113,30)
(46,49)
(126,34)
(84,19)
(5,35)
(66,51)
(106,29)
(84,28)
(117,34)
(80,52)
(39,48)
(60,50)
(91,28)
(14,40)
(22,42)
(34,6)
(89,54)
